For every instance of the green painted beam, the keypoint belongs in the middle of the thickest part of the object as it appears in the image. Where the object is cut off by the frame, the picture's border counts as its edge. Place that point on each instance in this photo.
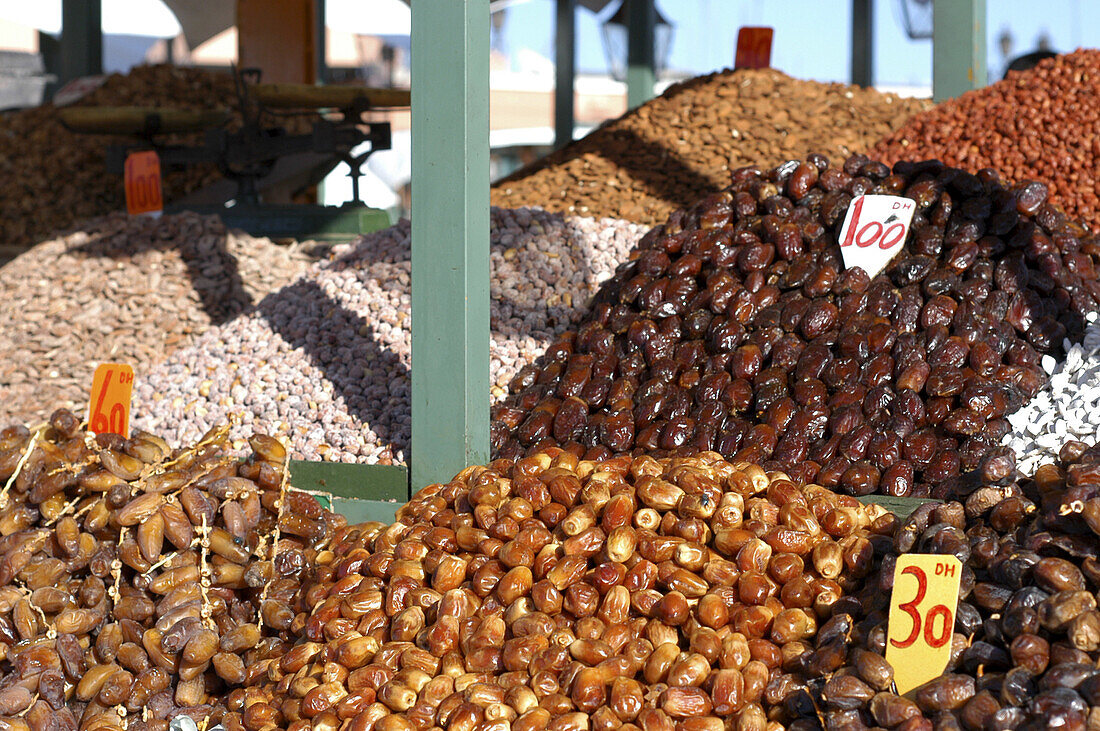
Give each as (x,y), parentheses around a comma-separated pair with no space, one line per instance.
(899,506)
(331,224)
(450,238)
(359,481)
(641,76)
(565,70)
(361,511)
(958,47)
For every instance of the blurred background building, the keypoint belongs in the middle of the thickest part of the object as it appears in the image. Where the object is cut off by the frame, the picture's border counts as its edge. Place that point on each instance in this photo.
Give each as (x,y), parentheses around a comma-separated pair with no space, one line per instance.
(367,41)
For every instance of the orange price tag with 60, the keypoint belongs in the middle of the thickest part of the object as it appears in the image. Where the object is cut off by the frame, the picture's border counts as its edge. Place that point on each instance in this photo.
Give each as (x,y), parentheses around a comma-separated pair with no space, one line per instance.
(142,180)
(109,409)
(922,617)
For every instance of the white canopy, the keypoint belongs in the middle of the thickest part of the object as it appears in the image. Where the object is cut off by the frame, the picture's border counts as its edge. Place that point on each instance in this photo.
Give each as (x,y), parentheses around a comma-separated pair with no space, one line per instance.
(369,17)
(150,18)
(201,20)
(204,19)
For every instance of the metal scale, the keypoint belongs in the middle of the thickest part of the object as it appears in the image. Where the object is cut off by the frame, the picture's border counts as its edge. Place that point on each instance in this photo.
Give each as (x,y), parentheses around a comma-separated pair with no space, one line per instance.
(260,160)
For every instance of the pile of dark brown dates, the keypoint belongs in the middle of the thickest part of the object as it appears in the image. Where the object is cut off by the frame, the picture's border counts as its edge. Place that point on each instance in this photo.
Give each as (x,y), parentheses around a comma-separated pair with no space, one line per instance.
(1026,640)
(736,328)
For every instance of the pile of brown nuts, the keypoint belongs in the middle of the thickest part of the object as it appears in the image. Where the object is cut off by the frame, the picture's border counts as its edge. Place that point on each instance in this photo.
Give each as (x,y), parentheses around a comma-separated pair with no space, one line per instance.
(125,289)
(736,328)
(62,176)
(1026,641)
(137,583)
(1040,124)
(681,146)
(553,593)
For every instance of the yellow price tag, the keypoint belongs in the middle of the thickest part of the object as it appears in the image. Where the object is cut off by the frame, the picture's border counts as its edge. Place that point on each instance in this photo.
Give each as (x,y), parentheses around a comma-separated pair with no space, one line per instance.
(922,617)
(109,407)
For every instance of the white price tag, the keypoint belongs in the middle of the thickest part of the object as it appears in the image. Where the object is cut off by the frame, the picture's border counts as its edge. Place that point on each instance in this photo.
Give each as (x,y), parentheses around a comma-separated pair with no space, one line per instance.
(77,89)
(874,231)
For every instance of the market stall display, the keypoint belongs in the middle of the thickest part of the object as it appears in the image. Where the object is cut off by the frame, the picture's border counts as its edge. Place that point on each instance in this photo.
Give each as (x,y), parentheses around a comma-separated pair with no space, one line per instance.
(140,582)
(1041,124)
(123,288)
(710,431)
(324,361)
(677,148)
(1026,632)
(736,328)
(62,176)
(561,594)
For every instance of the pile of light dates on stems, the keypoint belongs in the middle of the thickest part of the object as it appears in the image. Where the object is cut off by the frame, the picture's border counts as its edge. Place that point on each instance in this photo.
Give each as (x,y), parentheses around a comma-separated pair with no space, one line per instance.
(553,593)
(736,328)
(1026,640)
(138,583)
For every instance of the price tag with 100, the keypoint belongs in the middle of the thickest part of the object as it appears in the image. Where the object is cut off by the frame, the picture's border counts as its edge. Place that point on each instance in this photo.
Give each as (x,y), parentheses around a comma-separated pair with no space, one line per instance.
(109,407)
(875,230)
(922,617)
(142,184)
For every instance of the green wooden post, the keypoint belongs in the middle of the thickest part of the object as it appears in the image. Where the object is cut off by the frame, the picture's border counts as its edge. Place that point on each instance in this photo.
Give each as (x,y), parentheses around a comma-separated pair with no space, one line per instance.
(50,48)
(450,238)
(641,76)
(565,55)
(958,47)
(320,48)
(81,51)
(863,42)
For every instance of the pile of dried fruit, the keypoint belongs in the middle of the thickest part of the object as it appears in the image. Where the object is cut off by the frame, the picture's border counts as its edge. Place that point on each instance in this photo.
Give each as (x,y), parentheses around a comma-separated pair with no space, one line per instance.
(138,583)
(563,594)
(62,176)
(1040,124)
(675,149)
(736,328)
(324,362)
(129,289)
(1026,641)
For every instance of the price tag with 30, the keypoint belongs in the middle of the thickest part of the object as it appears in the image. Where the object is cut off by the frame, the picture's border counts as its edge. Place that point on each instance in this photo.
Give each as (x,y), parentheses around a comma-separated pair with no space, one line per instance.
(874,231)
(109,408)
(922,617)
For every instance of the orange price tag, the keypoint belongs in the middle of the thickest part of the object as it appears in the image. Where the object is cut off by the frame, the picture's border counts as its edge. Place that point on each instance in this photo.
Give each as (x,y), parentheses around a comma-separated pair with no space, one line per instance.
(142,180)
(922,617)
(109,408)
(754,47)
